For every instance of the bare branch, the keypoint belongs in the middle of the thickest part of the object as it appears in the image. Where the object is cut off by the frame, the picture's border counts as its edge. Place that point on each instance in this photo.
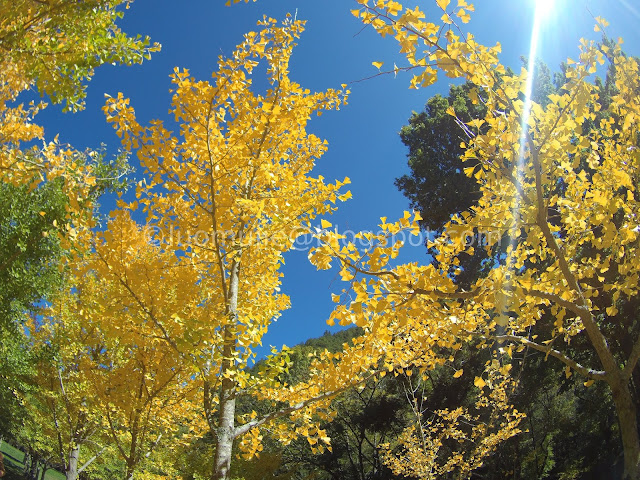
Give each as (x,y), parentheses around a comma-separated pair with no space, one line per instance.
(242,429)
(582,370)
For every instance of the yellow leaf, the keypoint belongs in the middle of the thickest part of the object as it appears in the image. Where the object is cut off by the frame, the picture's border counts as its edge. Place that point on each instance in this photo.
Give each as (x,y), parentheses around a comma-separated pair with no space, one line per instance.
(393,8)
(458,374)
(325,224)
(588,383)
(443,4)
(463,15)
(378,65)
(479,382)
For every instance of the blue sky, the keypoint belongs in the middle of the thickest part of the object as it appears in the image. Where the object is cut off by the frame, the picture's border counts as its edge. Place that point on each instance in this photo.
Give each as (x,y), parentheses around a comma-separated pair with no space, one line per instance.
(363,137)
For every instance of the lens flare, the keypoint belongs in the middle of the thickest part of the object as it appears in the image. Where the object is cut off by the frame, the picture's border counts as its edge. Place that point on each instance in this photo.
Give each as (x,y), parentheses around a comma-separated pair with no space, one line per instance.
(544,7)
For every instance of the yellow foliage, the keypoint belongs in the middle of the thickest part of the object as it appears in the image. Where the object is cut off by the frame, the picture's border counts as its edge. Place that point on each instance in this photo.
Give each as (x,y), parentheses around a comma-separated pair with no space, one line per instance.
(454,440)
(566,247)
(53,47)
(224,197)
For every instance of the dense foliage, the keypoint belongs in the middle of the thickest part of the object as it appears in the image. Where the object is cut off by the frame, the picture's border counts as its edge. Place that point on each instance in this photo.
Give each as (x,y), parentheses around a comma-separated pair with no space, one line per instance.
(127,345)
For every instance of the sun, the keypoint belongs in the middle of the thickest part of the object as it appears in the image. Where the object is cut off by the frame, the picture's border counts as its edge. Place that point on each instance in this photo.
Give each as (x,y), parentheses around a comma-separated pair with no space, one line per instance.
(544,7)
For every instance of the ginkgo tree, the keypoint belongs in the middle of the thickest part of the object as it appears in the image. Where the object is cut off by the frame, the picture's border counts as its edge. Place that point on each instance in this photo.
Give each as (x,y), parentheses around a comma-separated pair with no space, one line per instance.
(56,45)
(558,183)
(53,47)
(59,409)
(110,376)
(225,197)
(140,382)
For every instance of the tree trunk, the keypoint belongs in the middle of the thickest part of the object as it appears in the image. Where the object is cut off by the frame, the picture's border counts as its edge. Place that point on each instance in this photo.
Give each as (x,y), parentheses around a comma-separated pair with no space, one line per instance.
(31,462)
(72,466)
(225,431)
(628,423)
(131,458)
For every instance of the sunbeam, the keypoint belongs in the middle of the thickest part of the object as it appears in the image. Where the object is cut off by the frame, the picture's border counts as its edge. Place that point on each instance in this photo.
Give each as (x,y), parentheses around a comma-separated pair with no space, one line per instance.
(543,10)
(631,8)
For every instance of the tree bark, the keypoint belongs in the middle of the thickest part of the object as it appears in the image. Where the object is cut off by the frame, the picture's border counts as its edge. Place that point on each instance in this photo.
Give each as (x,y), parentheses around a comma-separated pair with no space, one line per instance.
(72,465)
(225,431)
(628,423)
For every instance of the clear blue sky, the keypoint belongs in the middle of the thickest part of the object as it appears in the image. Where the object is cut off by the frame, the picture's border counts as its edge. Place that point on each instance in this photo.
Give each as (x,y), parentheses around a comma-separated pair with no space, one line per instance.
(363,137)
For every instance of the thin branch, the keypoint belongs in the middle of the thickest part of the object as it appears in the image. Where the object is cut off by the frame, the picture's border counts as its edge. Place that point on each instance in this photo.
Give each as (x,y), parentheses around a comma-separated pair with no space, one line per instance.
(91,460)
(241,430)
(448,295)
(419,291)
(577,309)
(582,370)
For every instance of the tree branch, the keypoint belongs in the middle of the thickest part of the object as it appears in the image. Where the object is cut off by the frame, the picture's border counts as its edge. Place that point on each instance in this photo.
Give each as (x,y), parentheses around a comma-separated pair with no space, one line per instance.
(577,309)
(447,295)
(413,290)
(91,460)
(582,370)
(594,333)
(632,362)
(242,429)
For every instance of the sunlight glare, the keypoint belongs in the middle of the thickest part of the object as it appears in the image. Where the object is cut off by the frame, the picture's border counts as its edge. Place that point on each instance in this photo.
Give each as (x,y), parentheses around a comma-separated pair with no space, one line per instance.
(544,7)
(543,10)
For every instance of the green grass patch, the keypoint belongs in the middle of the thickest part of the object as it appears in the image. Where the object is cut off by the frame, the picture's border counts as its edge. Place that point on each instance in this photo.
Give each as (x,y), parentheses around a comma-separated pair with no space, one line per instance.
(53,475)
(11,454)
(14,459)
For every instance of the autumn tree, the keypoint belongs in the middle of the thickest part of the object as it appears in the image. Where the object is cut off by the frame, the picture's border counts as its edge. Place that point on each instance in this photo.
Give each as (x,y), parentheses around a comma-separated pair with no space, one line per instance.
(436,182)
(35,238)
(226,197)
(139,379)
(54,48)
(107,379)
(49,188)
(520,152)
(59,409)
(549,445)
(56,45)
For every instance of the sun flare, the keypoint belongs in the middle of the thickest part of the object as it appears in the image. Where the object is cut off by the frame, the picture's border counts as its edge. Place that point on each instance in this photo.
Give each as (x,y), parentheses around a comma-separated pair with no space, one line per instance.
(544,7)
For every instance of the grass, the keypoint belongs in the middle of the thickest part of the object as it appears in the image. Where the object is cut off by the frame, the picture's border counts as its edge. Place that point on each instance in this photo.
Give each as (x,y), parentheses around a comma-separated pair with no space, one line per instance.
(52,474)
(12,455)
(14,460)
